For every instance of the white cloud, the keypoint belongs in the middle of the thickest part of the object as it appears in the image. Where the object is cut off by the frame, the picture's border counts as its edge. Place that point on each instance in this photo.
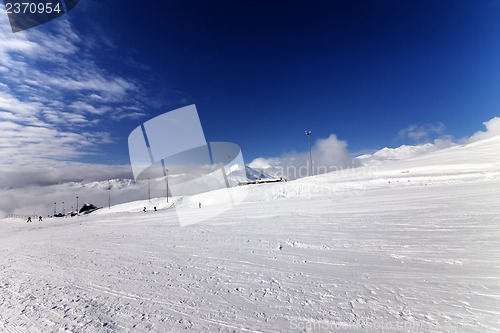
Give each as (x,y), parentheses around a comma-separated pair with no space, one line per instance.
(13,109)
(81,106)
(492,129)
(422,133)
(34,145)
(328,154)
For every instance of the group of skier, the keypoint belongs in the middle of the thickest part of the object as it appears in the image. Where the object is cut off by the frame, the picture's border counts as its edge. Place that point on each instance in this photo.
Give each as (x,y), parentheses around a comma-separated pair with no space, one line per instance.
(40,219)
(145,209)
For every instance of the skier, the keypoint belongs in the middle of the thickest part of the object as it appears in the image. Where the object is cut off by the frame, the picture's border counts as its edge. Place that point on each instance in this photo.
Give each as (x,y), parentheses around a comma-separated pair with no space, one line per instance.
(144,210)
(40,218)
(155,209)
(199,205)
(29,219)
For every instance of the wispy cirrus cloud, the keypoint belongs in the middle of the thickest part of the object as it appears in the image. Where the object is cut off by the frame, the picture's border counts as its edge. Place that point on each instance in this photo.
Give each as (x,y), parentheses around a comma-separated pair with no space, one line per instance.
(22,145)
(53,96)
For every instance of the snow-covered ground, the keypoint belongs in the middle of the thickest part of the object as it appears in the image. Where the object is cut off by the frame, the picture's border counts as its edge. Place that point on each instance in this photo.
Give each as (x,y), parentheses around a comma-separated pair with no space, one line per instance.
(411,245)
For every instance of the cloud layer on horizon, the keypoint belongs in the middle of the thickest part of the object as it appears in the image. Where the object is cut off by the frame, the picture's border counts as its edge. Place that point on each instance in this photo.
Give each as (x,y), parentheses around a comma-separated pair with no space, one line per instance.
(39,200)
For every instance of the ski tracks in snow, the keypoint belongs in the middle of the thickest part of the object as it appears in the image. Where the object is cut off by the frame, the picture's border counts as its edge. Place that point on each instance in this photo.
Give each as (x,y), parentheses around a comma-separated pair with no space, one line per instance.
(392,260)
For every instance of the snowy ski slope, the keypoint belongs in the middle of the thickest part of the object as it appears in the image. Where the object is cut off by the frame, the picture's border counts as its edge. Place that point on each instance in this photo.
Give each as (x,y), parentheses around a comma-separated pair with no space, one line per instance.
(410,245)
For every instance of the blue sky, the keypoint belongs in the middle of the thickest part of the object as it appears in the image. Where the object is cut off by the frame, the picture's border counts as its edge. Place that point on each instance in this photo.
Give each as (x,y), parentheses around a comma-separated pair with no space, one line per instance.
(375,73)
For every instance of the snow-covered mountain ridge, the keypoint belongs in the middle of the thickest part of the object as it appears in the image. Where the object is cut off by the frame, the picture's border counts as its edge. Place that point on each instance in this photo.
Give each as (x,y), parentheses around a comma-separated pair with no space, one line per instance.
(400,153)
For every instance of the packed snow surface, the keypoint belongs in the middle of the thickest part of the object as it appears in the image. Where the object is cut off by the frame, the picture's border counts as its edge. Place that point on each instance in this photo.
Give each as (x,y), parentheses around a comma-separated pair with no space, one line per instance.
(409,246)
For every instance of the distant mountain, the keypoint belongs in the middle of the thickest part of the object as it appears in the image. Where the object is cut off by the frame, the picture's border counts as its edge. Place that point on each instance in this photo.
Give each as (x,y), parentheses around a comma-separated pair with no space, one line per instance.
(105,184)
(396,154)
(260,174)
